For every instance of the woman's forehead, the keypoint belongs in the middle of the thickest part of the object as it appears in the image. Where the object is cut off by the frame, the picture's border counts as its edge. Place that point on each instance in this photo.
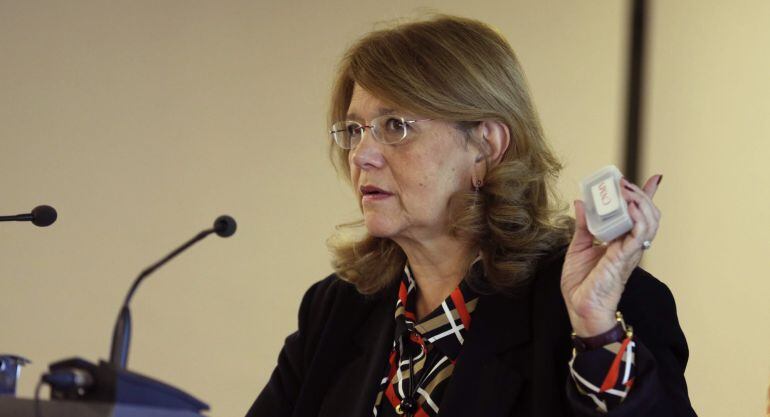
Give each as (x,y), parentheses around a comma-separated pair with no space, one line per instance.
(366,106)
(379,111)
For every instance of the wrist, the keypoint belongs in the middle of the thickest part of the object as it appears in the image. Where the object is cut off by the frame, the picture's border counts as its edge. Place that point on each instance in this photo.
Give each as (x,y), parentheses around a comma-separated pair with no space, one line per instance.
(589,327)
(616,333)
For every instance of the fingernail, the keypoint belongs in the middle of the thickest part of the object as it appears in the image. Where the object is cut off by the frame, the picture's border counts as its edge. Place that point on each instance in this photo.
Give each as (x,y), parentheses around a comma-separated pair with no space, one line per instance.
(660,178)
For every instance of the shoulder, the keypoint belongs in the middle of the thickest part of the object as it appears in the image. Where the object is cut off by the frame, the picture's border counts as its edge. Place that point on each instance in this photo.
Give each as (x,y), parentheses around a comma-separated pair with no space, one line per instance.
(647,303)
(642,287)
(325,290)
(332,297)
(324,294)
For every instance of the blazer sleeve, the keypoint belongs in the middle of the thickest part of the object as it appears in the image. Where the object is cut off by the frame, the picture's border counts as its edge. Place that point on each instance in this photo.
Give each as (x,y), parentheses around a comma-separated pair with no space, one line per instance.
(279,396)
(660,388)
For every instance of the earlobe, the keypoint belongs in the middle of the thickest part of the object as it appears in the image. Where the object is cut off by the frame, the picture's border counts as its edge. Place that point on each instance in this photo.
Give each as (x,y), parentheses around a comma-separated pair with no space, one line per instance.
(495,138)
(478,170)
(476,181)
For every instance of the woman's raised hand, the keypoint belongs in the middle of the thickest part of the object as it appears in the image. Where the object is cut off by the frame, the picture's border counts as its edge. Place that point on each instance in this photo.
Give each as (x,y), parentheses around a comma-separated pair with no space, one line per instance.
(594,276)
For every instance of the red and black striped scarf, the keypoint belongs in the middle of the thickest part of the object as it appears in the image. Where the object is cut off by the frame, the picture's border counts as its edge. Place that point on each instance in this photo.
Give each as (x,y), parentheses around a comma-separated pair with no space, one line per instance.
(424,353)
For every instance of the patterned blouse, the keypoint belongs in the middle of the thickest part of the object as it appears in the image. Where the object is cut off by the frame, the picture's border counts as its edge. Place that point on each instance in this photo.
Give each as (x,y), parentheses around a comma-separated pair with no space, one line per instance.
(424,353)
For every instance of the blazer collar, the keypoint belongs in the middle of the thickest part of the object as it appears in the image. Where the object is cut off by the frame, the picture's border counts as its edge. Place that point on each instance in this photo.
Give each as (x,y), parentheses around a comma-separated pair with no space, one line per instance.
(483,383)
(380,320)
(372,344)
(502,322)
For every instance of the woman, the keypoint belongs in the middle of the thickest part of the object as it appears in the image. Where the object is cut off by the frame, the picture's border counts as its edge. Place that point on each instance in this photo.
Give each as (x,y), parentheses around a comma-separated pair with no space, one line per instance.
(462,297)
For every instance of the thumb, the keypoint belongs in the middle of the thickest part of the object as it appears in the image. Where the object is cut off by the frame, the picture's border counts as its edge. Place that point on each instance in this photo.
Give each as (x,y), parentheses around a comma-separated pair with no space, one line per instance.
(582,239)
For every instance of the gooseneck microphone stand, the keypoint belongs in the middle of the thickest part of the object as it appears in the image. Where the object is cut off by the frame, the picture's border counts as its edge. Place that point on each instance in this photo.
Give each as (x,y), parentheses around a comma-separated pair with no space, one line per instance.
(224,226)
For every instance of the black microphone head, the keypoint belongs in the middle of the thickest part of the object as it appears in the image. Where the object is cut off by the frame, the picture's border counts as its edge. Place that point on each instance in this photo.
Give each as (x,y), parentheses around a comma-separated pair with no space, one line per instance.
(225,226)
(43,216)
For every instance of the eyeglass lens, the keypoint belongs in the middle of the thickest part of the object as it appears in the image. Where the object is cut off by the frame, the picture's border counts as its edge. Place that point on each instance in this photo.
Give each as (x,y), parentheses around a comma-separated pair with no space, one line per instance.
(385,129)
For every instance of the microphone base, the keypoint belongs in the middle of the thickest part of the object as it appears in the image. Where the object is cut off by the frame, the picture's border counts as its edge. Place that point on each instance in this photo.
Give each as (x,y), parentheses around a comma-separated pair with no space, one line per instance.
(120,386)
(28,407)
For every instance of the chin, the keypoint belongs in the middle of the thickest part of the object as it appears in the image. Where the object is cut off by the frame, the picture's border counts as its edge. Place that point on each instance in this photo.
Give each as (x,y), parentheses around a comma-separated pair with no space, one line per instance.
(378,227)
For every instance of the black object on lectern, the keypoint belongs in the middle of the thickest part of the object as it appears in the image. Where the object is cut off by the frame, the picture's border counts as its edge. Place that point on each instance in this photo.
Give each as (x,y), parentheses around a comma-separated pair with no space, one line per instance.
(110,382)
(10,368)
(114,385)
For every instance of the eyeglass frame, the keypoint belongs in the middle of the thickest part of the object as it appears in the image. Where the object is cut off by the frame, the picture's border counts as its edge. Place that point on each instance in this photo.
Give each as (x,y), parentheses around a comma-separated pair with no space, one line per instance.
(362,127)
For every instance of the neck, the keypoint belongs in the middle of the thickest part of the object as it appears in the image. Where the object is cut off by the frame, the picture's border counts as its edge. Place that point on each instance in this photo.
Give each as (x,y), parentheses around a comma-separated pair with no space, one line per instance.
(438,266)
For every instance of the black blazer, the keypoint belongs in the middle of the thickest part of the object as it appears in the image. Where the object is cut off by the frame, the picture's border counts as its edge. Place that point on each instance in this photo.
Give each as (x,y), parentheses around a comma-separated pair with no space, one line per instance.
(513,361)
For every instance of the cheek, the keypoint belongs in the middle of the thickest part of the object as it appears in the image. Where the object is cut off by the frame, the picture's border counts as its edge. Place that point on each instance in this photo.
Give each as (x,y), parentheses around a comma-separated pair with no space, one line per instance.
(436,181)
(417,173)
(353,171)
(439,170)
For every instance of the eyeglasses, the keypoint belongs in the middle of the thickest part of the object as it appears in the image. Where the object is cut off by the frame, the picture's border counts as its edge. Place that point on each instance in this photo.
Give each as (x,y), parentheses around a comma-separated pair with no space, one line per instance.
(387,129)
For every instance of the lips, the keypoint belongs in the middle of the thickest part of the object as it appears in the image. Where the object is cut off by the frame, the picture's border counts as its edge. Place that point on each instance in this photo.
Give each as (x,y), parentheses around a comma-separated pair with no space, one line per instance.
(371,193)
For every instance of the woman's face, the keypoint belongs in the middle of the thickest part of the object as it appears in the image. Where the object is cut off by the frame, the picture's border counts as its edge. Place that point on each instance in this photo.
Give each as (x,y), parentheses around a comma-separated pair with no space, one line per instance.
(404,189)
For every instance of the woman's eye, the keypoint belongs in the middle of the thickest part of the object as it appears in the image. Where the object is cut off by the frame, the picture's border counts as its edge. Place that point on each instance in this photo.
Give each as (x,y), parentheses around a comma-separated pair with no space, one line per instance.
(354,130)
(393,124)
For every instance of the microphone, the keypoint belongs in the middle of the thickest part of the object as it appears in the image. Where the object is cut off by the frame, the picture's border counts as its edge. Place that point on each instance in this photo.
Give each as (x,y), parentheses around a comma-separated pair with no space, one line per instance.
(224,226)
(41,216)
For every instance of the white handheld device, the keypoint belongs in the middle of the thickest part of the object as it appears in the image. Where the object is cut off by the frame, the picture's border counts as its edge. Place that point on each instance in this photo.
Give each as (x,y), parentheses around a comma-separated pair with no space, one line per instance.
(606,210)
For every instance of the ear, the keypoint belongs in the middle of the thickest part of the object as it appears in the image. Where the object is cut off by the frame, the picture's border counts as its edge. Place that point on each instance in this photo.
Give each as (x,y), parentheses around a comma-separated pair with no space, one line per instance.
(496,137)
(493,138)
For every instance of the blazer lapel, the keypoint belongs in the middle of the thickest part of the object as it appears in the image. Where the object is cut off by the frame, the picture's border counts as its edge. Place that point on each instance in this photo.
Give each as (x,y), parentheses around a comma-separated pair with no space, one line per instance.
(365,363)
(375,342)
(491,368)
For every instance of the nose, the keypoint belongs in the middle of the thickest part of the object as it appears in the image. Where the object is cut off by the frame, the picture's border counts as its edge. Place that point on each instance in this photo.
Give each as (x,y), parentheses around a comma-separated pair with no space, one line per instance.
(368,153)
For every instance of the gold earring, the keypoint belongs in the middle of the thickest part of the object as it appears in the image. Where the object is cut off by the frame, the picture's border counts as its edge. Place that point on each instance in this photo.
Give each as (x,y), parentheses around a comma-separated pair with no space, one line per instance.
(477,184)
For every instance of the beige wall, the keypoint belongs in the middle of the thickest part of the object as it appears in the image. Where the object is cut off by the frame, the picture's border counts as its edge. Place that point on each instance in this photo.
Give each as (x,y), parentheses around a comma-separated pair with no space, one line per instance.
(709,125)
(142,121)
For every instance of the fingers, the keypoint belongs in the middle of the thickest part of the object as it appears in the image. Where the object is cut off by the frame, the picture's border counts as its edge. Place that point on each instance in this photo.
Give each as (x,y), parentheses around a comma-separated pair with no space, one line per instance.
(652,184)
(643,199)
(644,206)
(644,227)
(643,212)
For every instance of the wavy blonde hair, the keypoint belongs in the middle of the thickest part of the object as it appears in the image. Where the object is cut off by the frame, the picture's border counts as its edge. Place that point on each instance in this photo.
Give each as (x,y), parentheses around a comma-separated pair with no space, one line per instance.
(462,71)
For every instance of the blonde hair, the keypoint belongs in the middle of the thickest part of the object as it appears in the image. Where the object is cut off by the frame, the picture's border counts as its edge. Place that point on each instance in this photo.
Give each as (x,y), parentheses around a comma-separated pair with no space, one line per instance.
(462,71)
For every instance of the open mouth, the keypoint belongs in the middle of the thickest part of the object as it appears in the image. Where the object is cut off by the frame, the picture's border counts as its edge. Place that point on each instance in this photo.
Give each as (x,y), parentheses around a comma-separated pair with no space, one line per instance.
(372,192)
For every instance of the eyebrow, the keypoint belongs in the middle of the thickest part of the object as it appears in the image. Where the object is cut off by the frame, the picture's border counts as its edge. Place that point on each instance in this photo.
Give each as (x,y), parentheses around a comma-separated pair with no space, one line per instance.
(380,112)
